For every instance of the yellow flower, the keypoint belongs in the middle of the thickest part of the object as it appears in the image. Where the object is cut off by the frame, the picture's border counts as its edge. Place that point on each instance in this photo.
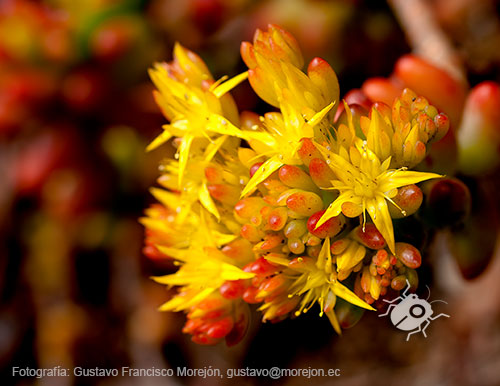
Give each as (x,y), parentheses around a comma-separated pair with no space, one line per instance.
(196,107)
(282,139)
(177,227)
(305,100)
(169,227)
(194,185)
(316,282)
(203,267)
(203,270)
(366,184)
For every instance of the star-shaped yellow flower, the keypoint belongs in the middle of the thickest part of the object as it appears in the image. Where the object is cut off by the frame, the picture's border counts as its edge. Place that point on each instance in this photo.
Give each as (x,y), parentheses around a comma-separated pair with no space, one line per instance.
(282,136)
(194,111)
(316,282)
(203,267)
(365,185)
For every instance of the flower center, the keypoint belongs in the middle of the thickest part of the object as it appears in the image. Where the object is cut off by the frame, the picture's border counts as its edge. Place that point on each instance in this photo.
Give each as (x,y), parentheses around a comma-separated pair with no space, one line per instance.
(365,186)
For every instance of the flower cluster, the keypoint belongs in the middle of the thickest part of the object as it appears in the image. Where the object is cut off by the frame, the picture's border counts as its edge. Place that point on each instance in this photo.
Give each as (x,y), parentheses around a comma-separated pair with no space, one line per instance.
(286,210)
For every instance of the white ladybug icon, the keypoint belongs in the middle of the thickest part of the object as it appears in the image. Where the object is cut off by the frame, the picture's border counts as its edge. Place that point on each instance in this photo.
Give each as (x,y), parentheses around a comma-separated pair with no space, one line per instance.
(411,313)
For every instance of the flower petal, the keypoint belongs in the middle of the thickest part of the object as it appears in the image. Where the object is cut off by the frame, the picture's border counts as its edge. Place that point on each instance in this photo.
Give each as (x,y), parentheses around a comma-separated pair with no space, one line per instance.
(379,212)
(213,148)
(223,88)
(345,293)
(393,179)
(179,303)
(336,206)
(334,321)
(159,140)
(218,124)
(277,260)
(206,200)
(265,170)
(231,272)
(320,115)
(351,256)
(324,261)
(184,155)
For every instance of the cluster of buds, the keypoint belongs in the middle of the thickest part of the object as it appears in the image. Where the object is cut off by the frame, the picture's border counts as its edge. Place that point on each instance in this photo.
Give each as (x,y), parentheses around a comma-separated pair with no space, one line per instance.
(388,271)
(295,208)
(216,317)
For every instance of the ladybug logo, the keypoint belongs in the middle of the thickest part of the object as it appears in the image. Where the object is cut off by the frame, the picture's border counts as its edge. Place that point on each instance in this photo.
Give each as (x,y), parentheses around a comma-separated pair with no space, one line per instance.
(411,313)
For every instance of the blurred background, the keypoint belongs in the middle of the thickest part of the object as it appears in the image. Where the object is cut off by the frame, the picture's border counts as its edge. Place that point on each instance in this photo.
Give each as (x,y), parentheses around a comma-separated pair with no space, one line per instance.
(76,113)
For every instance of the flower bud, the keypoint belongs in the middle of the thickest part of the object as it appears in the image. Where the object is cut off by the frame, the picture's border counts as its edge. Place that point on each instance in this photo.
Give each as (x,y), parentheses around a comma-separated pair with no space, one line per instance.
(308,151)
(408,255)
(304,203)
(295,177)
(330,228)
(263,59)
(408,201)
(444,91)
(227,194)
(323,76)
(232,289)
(321,173)
(248,207)
(398,283)
(369,236)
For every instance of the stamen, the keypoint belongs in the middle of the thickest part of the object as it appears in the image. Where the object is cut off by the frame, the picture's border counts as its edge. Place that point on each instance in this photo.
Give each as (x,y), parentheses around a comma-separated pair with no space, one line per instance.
(403,212)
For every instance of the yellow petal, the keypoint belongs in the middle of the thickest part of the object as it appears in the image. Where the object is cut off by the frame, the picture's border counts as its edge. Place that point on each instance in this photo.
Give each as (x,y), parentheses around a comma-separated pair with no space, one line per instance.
(350,120)
(262,136)
(160,140)
(379,212)
(265,170)
(179,303)
(168,199)
(334,321)
(213,148)
(338,164)
(352,256)
(336,206)
(230,272)
(206,200)
(276,260)
(220,125)
(325,257)
(178,254)
(222,238)
(155,224)
(345,293)
(184,155)
(393,179)
(223,88)
(190,61)
(385,164)
(320,115)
